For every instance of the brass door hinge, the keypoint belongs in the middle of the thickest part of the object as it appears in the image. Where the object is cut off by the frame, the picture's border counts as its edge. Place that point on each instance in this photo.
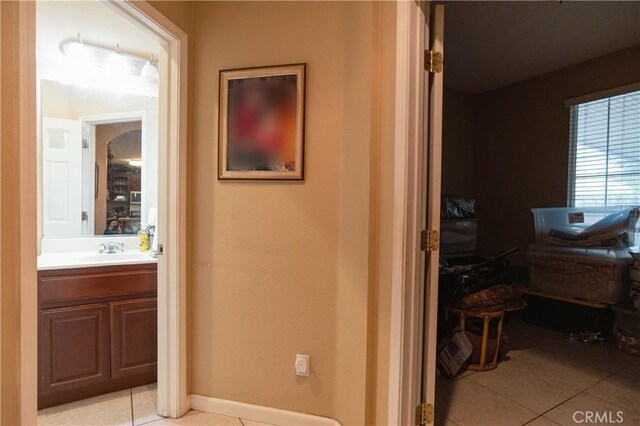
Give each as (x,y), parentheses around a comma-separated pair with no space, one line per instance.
(433,61)
(430,240)
(424,414)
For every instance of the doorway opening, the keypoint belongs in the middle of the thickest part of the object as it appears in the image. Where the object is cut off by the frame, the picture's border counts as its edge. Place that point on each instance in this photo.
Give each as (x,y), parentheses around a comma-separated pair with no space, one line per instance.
(91,348)
(546,336)
(97,339)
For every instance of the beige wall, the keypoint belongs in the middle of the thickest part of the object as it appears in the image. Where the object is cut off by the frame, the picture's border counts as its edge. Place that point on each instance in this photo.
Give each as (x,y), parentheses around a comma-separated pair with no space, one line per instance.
(279,269)
(283,268)
(523,145)
(9,215)
(458,148)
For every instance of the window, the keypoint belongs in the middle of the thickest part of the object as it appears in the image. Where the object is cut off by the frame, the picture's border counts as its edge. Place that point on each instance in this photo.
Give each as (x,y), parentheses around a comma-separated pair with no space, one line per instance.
(604,153)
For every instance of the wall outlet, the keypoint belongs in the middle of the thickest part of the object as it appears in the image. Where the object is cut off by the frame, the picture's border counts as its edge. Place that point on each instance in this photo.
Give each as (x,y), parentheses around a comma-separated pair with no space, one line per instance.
(302,365)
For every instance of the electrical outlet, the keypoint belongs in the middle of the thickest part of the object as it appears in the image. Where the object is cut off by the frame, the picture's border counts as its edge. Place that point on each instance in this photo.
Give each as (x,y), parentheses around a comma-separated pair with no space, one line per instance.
(302,365)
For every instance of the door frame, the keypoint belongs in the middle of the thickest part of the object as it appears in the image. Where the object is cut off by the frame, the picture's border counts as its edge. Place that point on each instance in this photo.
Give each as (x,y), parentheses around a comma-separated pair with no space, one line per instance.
(408,262)
(173,398)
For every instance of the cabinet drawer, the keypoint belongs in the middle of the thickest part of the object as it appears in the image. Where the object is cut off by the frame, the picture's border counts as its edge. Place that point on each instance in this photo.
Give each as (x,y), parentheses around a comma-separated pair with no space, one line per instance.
(80,286)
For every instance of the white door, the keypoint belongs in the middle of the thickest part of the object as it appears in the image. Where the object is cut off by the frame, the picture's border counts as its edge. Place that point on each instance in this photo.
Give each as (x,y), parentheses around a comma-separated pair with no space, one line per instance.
(434,38)
(89,177)
(61,177)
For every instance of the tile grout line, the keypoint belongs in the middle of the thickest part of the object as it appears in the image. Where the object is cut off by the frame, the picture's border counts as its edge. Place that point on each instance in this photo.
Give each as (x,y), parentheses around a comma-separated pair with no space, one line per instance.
(500,395)
(536,418)
(503,396)
(609,402)
(133,421)
(553,408)
(579,393)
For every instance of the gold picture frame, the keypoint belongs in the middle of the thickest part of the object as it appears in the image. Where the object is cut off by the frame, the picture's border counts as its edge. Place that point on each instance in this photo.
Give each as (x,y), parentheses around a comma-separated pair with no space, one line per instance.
(261,132)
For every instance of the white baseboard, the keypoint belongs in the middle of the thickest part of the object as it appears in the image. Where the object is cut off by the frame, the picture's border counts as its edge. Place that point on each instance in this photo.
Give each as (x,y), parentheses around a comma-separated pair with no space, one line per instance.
(257,413)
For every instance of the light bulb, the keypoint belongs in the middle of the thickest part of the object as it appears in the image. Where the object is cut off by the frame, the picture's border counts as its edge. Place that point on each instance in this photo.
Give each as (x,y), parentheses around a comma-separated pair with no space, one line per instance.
(150,71)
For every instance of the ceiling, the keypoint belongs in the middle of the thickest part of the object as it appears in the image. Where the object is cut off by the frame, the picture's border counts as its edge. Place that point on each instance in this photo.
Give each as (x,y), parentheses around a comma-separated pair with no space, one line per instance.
(493,44)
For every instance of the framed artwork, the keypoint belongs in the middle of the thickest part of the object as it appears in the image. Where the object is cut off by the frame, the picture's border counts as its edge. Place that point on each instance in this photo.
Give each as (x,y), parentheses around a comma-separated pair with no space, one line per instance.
(261,127)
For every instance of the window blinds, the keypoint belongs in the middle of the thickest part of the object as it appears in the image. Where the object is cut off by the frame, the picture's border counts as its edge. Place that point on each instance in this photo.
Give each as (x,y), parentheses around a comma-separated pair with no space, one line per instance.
(604,153)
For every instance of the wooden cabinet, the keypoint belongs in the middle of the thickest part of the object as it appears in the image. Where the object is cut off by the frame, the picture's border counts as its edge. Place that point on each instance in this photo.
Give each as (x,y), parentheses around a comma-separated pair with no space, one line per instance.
(97,331)
(75,344)
(134,337)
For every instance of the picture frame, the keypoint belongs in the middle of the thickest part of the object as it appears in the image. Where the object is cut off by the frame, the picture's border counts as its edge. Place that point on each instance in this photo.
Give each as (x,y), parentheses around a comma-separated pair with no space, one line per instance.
(261,130)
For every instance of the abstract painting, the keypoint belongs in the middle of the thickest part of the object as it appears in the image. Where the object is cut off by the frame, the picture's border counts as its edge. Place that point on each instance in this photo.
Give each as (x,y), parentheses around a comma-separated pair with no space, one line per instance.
(261,128)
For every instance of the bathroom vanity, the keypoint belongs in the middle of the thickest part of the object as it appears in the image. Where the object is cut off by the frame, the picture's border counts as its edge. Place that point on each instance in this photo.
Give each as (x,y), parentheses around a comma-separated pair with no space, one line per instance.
(97,330)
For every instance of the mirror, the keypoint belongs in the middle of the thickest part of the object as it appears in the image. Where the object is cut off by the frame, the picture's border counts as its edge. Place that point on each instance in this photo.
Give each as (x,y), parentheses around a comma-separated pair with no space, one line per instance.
(119,148)
(98,161)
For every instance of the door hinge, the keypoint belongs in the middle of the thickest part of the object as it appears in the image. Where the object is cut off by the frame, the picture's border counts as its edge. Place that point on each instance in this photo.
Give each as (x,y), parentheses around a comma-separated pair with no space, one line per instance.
(424,414)
(85,216)
(433,61)
(160,249)
(85,144)
(430,240)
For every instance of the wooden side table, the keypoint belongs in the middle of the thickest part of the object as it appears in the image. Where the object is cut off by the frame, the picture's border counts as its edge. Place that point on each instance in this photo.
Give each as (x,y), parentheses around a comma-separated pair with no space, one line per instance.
(486,317)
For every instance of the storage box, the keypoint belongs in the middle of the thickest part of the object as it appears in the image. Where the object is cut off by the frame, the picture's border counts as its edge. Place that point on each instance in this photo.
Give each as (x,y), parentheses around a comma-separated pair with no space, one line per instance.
(583,273)
(565,218)
(458,236)
(627,329)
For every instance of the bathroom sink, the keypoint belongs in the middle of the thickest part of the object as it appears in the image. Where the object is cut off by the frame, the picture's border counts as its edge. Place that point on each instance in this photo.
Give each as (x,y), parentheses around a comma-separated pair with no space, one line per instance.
(113,257)
(88,259)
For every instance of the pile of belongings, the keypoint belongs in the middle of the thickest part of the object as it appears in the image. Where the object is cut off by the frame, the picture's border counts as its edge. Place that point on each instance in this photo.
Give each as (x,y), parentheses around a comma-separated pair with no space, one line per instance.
(457,207)
(456,282)
(482,287)
(610,231)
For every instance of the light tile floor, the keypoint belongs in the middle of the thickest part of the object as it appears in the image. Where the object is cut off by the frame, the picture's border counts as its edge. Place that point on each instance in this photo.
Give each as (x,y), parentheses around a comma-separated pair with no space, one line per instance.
(131,407)
(544,382)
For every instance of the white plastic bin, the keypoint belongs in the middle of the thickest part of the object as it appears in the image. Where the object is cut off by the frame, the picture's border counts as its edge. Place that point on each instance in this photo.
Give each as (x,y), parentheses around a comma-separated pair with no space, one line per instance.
(565,218)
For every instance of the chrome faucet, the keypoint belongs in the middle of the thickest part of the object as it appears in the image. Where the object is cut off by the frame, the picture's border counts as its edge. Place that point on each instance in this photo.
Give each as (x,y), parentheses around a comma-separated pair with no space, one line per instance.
(111,247)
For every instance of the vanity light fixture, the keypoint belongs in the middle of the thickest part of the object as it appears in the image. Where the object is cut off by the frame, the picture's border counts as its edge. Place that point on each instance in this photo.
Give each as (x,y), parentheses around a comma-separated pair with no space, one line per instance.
(135,163)
(150,71)
(109,59)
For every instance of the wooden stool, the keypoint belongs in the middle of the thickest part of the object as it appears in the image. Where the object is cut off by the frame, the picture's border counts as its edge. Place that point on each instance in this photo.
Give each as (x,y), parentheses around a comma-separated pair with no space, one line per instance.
(486,318)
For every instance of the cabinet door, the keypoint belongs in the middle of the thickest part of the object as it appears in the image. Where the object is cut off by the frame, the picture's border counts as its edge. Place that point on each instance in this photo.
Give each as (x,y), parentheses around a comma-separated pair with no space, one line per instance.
(74,348)
(134,337)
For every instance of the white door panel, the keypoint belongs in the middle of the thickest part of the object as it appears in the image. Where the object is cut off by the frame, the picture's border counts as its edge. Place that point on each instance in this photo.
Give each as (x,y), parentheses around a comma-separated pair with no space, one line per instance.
(61,177)
(89,190)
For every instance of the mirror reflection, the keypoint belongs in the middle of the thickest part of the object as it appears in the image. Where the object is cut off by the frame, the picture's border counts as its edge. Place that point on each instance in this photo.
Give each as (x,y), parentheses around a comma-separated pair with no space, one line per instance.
(118,205)
(99,160)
